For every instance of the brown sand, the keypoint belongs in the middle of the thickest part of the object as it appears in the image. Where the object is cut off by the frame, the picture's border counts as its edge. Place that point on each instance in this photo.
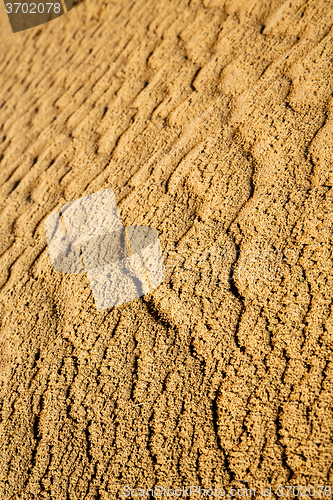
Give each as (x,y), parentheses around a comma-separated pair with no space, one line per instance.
(212,122)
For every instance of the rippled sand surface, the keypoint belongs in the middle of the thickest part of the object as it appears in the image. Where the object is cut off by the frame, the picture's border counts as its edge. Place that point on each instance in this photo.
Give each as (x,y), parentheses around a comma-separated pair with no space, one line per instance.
(211,121)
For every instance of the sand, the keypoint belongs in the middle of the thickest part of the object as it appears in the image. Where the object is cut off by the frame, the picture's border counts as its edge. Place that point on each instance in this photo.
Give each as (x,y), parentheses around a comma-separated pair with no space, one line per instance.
(212,122)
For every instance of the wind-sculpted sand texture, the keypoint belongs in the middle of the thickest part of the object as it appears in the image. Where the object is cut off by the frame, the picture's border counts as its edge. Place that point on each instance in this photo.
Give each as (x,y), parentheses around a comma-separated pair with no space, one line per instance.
(212,122)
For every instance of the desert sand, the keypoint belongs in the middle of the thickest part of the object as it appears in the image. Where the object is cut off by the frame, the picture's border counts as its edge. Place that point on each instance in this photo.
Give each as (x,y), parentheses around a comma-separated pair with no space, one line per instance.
(212,122)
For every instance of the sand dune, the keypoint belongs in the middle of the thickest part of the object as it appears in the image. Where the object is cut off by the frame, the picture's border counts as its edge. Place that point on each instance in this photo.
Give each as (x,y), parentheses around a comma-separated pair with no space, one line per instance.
(211,121)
